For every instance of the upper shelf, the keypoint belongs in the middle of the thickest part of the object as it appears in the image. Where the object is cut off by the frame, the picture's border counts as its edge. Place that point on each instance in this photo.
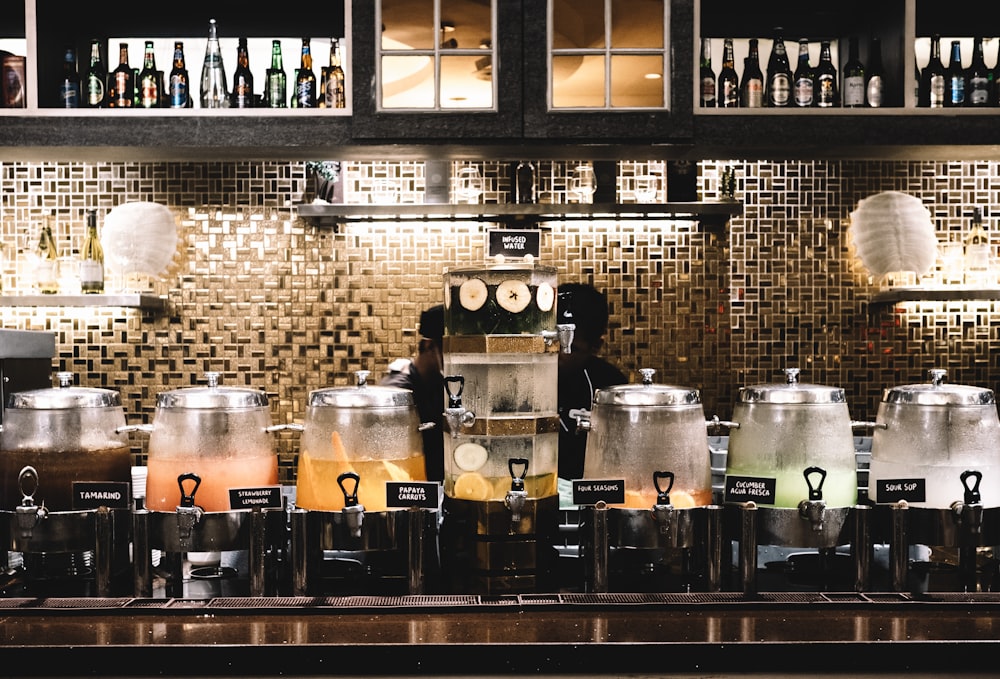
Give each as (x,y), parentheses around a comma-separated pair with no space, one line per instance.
(896,295)
(146,302)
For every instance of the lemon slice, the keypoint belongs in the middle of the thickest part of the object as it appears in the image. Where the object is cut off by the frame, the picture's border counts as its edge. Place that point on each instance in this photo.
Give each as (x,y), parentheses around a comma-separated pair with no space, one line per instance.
(513,296)
(470,456)
(681,500)
(473,486)
(472,294)
(544,297)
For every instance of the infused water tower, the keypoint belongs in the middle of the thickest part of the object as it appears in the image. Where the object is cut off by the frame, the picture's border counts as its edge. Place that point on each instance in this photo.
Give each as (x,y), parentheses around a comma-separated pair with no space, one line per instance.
(501,451)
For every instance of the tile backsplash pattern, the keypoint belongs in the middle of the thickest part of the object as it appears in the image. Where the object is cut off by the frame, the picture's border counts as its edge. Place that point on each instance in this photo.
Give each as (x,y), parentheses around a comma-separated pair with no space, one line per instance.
(275,303)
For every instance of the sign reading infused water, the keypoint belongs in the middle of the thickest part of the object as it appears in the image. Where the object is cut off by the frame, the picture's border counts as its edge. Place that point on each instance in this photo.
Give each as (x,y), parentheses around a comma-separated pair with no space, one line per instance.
(515,243)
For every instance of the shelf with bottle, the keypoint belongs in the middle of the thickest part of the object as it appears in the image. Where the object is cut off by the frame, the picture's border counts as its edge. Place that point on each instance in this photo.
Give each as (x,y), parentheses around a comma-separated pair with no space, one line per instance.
(134,300)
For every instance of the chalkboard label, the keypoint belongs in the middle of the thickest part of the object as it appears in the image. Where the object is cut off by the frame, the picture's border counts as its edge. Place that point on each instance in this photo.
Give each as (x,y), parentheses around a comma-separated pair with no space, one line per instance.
(94,494)
(515,243)
(422,494)
(265,497)
(750,489)
(888,491)
(592,491)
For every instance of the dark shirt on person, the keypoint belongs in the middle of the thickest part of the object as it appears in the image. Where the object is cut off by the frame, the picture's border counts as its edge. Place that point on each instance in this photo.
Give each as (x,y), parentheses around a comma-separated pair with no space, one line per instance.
(576,391)
(429,400)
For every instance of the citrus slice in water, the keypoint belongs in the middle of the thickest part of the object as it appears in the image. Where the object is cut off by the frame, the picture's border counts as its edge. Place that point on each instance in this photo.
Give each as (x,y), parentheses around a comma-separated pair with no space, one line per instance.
(473,486)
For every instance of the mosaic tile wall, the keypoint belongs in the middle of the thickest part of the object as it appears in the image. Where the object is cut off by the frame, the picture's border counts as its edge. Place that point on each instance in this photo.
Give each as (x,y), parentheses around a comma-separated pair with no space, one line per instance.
(276,303)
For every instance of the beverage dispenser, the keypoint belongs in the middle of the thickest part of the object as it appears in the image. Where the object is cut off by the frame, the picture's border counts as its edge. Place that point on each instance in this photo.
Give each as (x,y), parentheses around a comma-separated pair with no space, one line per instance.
(501,450)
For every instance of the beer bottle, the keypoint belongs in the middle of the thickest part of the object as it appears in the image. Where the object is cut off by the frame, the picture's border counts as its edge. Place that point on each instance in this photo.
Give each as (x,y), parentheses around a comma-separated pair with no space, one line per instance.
(728,91)
(334,79)
(97,77)
(121,93)
(707,74)
(180,82)
(932,85)
(752,84)
(778,89)
(954,77)
(242,78)
(69,89)
(825,87)
(804,95)
(853,90)
(149,79)
(979,77)
(275,91)
(305,80)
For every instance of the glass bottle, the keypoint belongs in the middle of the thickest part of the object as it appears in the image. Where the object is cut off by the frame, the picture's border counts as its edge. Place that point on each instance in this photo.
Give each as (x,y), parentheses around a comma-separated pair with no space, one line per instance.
(778,89)
(275,90)
(977,252)
(121,93)
(149,79)
(752,84)
(932,85)
(874,86)
(954,77)
(179,82)
(92,258)
(853,89)
(242,78)
(978,77)
(707,75)
(69,89)
(97,77)
(728,90)
(47,267)
(524,182)
(305,80)
(825,86)
(804,77)
(214,93)
(334,79)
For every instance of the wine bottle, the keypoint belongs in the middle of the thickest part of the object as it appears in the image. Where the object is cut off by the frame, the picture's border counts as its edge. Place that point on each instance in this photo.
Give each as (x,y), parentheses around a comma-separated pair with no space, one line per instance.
(47,267)
(69,88)
(954,77)
(853,88)
(242,78)
(214,92)
(524,182)
(305,80)
(149,79)
(978,77)
(275,90)
(752,84)
(932,85)
(728,91)
(180,82)
(121,93)
(804,77)
(825,87)
(97,77)
(873,75)
(92,258)
(334,79)
(778,89)
(707,74)
(977,252)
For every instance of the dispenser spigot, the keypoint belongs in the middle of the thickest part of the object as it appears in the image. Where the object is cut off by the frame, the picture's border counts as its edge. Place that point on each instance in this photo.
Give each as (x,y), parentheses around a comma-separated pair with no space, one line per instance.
(517,496)
(970,511)
(28,513)
(456,415)
(566,332)
(664,512)
(813,509)
(353,511)
(188,513)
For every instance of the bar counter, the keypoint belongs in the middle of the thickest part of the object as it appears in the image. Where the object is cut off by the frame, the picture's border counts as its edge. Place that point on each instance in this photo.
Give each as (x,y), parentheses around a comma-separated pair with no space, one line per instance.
(699,634)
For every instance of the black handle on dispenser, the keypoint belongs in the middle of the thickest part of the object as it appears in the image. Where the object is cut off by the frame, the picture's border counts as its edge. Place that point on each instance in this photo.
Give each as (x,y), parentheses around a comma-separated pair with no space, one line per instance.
(454,396)
(663,494)
(517,479)
(972,495)
(815,492)
(350,496)
(187,500)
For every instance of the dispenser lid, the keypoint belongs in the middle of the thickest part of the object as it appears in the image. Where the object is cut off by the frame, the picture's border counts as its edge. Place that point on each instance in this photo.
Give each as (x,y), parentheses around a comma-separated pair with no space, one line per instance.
(937,393)
(362,395)
(211,397)
(64,397)
(647,393)
(792,392)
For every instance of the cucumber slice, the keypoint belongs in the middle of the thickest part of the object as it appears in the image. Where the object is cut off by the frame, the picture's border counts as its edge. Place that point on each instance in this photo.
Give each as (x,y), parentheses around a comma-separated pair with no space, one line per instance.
(470,456)
(513,296)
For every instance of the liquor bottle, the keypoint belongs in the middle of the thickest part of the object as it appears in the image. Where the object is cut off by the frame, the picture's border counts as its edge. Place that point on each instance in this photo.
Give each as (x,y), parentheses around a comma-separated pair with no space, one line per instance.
(47,268)
(977,252)
(728,91)
(707,74)
(873,76)
(778,89)
(524,182)
(149,79)
(92,258)
(305,80)
(825,87)
(274,91)
(804,78)
(334,79)
(179,82)
(97,77)
(853,89)
(69,88)
(932,78)
(242,78)
(121,92)
(979,76)
(954,77)
(752,85)
(214,93)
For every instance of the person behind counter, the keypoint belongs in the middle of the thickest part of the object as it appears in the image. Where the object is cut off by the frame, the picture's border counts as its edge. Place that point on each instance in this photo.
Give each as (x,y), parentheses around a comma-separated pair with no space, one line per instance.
(423,375)
(583,371)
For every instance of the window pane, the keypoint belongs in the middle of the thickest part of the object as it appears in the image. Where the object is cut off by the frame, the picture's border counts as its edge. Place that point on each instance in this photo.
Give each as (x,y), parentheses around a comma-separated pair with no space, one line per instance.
(408,24)
(407,82)
(577,24)
(470,20)
(637,23)
(466,82)
(636,81)
(578,81)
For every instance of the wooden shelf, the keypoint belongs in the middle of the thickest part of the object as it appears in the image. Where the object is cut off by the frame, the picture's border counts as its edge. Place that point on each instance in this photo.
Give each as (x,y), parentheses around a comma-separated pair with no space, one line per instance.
(896,295)
(146,302)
